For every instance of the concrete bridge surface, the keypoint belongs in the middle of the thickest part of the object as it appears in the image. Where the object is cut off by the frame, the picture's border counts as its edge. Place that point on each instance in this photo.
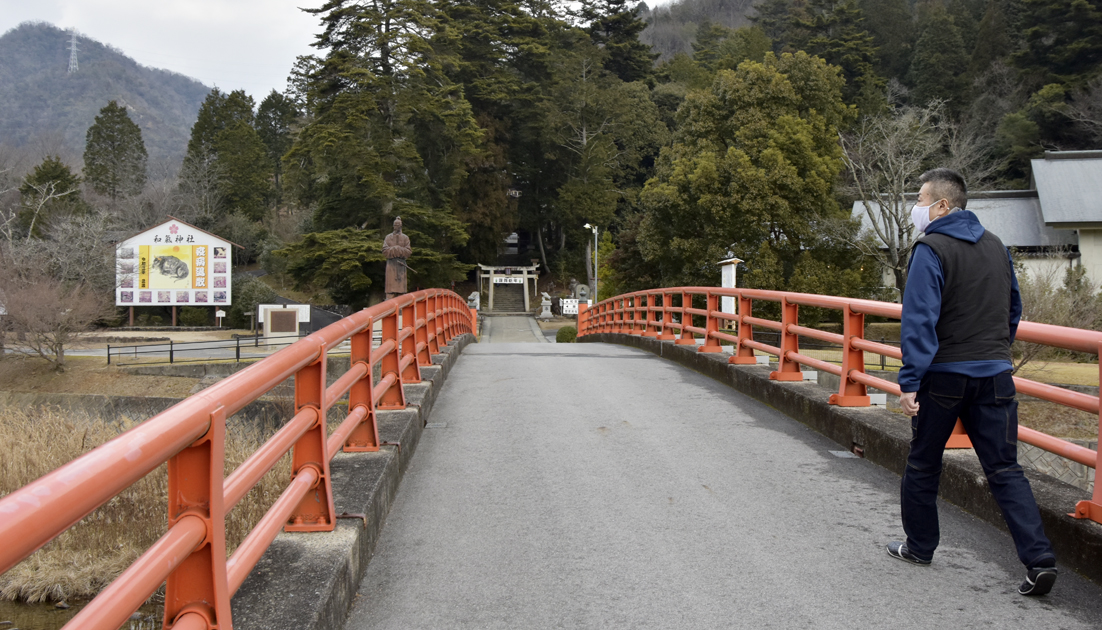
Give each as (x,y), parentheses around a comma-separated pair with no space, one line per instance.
(598,486)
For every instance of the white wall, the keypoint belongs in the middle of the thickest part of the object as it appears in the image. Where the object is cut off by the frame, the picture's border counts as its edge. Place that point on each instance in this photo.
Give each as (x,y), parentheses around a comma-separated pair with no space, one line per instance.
(1090,250)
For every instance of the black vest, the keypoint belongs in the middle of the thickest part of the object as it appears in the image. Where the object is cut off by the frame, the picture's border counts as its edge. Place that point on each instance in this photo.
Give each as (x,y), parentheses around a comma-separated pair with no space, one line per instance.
(975,301)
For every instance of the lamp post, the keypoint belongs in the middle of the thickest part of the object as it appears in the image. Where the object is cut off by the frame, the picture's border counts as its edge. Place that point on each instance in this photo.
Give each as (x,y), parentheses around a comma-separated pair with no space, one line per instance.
(594,228)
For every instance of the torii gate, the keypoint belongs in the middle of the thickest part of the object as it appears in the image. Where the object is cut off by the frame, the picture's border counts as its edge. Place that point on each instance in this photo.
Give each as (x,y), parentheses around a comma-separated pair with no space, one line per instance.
(507,274)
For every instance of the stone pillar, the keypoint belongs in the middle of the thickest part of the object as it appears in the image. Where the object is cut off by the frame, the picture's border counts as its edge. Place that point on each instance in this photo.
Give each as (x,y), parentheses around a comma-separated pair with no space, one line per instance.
(727,281)
(491,304)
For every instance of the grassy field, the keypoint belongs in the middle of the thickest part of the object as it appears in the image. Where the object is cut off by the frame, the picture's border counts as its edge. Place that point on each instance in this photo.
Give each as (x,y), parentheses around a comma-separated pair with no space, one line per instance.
(87,557)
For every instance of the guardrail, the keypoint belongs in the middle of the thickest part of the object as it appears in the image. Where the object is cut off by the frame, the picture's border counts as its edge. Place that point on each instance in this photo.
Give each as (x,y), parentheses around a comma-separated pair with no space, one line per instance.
(189,436)
(170,350)
(652,314)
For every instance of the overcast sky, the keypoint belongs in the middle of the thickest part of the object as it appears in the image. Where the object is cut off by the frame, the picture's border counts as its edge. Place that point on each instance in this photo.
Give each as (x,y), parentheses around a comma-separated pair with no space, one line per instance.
(231,44)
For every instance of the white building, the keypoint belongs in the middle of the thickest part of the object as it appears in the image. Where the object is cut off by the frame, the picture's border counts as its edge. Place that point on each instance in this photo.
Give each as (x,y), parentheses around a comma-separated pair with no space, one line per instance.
(1055,225)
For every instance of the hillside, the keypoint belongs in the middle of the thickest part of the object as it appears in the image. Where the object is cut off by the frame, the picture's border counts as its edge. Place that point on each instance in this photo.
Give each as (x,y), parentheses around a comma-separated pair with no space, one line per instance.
(671,28)
(39,97)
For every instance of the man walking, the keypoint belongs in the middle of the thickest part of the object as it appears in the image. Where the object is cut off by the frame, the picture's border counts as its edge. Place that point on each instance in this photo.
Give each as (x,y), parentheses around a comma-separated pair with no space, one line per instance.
(961,310)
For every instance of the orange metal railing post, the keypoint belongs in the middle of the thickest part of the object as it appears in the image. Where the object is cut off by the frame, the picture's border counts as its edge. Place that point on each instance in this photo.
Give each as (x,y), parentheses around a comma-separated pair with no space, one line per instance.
(711,342)
(583,319)
(420,335)
(744,355)
(1092,508)
(195,481)
(651,327)
(412,372)
(667,318)
(315,512)
(850,392)
(788,370)
(686,338)
(432,324)
(365,437)
(395,396)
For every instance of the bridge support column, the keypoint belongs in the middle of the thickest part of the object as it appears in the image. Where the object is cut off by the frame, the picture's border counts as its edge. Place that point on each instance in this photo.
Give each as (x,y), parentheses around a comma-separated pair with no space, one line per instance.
(393,396)
(411,373)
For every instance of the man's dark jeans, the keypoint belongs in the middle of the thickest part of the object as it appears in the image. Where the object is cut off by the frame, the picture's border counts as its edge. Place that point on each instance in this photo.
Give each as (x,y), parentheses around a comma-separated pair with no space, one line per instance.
(989,412)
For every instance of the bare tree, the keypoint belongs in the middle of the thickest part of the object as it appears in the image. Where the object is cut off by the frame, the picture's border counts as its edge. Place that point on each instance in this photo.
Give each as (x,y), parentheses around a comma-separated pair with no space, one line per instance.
(1085,109)
(46,315)
(1055,294)
(884,156)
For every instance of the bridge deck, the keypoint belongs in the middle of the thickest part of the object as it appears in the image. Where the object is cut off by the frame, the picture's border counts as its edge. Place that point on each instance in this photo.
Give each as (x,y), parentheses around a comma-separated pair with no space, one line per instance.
(586,486)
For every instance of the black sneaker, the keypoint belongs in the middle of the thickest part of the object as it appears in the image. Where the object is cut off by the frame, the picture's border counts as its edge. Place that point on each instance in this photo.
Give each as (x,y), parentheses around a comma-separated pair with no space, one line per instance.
(899,550)
(1038,581)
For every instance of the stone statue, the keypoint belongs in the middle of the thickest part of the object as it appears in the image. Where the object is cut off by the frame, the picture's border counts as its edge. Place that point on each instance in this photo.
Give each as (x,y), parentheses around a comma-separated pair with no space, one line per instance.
(396,249)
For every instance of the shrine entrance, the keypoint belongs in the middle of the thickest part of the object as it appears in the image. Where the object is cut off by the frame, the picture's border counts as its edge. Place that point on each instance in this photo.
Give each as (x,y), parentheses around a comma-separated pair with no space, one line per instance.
(496,276)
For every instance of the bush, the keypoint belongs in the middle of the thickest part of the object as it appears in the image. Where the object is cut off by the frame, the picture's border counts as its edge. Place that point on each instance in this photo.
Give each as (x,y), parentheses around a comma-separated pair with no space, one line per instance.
(566,334)
(195,316)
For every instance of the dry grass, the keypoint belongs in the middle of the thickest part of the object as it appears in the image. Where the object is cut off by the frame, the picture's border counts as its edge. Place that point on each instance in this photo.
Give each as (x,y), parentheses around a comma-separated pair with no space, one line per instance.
(86,558)
(86,375)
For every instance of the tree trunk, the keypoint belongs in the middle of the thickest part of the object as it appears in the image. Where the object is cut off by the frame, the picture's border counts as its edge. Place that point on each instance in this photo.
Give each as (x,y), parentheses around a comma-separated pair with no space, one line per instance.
(543,251)
(589,263)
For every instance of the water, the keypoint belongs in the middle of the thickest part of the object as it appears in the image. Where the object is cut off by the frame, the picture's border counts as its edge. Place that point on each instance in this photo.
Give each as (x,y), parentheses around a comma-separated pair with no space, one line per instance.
(47,616)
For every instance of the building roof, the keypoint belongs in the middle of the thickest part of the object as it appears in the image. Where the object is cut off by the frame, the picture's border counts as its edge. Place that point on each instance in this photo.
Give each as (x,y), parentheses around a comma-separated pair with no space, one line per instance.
(1069,186)
(172,219)
(1012,215)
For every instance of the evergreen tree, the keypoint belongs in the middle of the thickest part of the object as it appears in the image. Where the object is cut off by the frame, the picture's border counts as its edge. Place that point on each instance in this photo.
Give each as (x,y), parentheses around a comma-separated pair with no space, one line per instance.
(49,193)
(1062,40)
(707,49)
(993,40)
(274,119)
(114,154)
(835,31)
(615,28)
(891,24)
(751,171)
(225,145)
(388,135)
(939,66)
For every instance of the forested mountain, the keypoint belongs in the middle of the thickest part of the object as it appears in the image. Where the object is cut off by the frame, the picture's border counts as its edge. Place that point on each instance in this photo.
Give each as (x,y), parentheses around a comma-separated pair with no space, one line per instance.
(671,28)
(39,98)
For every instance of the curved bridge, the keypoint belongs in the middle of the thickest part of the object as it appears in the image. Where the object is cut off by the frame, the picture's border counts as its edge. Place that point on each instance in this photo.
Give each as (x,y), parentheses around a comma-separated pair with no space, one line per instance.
(587,485)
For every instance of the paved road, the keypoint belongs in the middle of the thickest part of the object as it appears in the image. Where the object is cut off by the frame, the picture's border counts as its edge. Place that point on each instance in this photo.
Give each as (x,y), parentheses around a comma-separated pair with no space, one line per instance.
(510,329)
(597,486)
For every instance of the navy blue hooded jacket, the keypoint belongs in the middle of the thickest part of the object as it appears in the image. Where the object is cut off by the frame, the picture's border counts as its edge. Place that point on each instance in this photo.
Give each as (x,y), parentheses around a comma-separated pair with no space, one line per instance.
(922,307)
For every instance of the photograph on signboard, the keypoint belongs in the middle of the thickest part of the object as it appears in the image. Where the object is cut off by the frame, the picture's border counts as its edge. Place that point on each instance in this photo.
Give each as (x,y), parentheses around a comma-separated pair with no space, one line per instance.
(145,296)
(219,296)
(171,267)
(164,297)
(200,296)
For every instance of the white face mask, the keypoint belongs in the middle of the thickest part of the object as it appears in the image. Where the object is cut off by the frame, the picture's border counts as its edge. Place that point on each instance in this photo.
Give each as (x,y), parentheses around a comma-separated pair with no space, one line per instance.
(920,216)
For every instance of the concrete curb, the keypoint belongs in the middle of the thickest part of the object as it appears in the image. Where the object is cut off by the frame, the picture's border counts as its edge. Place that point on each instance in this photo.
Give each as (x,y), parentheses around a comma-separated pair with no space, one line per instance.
(309,580)
(885,439)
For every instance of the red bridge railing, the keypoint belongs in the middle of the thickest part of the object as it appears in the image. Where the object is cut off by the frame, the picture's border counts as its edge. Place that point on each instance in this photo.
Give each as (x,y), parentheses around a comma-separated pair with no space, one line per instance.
(653,314)
(191,555)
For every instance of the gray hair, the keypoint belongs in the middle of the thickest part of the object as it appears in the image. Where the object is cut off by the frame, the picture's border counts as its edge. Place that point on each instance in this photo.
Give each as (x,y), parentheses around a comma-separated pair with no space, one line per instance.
(945,183)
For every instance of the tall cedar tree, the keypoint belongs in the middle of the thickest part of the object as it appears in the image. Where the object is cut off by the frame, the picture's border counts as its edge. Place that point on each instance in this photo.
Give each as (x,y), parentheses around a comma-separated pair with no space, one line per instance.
(114,154)
(940,65)
(275,118)
(388,135)
(1062,41)
(891,24)
(224,141)
(615,28)
(835,31)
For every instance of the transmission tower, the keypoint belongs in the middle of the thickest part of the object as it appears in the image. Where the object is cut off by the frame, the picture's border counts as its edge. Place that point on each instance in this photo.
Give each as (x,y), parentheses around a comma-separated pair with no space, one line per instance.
(73,52)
